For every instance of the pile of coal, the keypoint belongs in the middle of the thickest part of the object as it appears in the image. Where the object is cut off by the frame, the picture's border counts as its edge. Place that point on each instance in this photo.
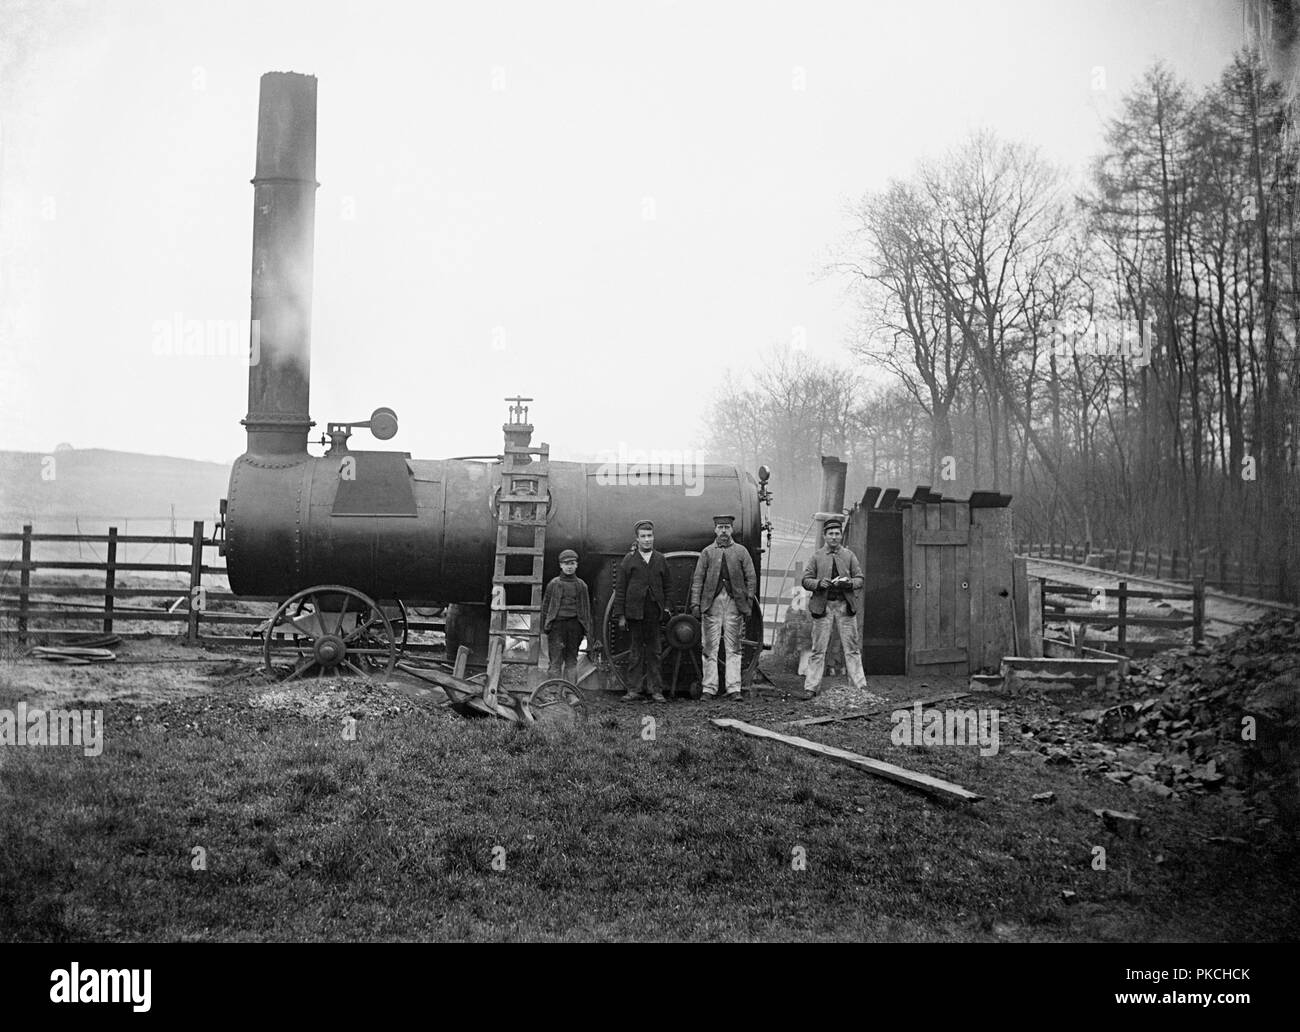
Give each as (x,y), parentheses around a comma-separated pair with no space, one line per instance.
(1220,718)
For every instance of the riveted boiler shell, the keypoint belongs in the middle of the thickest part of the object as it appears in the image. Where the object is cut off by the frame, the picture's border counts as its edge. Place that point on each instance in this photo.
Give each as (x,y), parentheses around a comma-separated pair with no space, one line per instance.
(426,529)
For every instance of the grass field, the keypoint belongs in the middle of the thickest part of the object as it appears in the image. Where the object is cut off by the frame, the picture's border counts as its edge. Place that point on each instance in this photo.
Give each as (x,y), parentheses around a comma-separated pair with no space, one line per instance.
(606,835)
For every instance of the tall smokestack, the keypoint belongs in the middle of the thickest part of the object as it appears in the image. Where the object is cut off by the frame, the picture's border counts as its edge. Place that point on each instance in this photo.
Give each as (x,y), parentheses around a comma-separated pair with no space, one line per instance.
(284,223)
(834,473)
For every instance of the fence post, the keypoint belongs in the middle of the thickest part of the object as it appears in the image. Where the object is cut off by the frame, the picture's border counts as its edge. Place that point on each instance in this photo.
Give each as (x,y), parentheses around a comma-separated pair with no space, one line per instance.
(1173,566)
(24,583)
(110,579)
(1160,562)
(1123,617)
(196,582)
(1198,609)
(1223,568)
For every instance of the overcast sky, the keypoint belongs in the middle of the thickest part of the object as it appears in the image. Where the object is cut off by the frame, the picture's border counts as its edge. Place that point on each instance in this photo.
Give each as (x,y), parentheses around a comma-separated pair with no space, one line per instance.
(601,205)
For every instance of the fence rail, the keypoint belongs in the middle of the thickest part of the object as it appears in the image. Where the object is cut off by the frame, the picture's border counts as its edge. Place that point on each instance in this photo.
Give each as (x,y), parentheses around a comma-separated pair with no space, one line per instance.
(1238,576)
(188,599)
(1058,609)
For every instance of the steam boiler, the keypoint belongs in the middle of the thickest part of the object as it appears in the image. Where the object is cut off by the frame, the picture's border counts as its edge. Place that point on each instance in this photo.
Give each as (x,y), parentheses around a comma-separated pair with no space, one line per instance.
(349,537)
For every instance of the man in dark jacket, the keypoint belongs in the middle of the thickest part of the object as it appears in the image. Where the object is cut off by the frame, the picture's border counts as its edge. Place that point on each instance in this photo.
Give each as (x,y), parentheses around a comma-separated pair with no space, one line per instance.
(640,604)
(566,617)
(723,590)
(834,576)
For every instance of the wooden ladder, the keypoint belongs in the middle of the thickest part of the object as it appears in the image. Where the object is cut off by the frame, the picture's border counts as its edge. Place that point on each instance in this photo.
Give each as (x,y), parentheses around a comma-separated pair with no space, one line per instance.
(524,502)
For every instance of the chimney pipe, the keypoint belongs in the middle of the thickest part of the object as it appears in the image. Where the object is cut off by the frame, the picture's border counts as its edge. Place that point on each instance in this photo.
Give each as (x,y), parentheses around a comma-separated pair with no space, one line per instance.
(833,475)
(284,218)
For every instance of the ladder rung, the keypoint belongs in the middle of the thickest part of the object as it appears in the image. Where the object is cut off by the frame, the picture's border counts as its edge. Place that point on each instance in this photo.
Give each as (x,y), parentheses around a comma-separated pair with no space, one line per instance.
(500,570)
(515,632)
(526,499)
(515,579)
(519,550)
(500,614)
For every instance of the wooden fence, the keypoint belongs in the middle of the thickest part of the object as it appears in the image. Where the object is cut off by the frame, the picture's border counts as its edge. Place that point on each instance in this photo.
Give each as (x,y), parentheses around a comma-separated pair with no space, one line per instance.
(206,612)
(1058,610)
(1237,576)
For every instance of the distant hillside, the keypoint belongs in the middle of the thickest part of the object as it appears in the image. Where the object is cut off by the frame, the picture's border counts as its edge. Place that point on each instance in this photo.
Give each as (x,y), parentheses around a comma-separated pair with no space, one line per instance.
(95,485)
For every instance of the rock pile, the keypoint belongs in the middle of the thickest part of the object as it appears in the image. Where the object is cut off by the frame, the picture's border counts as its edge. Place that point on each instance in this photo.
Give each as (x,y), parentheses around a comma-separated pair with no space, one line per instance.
(1199,719)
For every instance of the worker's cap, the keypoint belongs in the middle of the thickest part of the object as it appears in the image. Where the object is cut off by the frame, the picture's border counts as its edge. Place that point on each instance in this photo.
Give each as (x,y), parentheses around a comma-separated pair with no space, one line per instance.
(636,528)
(834,521)
(567,555)
(728,520)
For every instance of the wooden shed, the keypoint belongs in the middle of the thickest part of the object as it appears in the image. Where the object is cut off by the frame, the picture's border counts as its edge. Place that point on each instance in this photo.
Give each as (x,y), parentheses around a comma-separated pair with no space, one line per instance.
(941,584)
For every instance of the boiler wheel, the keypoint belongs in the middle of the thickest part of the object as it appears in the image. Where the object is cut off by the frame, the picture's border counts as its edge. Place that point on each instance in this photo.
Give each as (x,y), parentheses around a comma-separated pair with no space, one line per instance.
(330,629)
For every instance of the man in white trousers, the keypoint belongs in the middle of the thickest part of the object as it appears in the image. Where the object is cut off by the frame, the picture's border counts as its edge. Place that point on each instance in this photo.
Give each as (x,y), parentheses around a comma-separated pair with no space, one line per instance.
(834,576)
(723,588)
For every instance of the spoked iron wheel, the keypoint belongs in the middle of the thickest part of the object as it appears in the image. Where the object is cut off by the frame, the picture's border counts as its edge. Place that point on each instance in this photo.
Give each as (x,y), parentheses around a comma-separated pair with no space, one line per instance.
(557,702)
(682,663)
(398,617)
(331,629)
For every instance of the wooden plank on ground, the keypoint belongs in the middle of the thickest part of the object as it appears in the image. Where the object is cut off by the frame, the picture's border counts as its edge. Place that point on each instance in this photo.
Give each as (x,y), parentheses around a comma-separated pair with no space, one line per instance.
(889,771)
(856,714)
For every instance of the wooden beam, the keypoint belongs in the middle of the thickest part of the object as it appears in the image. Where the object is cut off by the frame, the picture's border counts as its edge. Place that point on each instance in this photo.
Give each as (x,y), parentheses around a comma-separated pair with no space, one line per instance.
(880,768)
(110,579)
(856,714)
(197,601)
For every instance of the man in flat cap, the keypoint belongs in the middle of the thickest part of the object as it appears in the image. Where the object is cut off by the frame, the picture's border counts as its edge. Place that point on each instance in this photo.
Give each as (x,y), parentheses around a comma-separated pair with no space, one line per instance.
(641,593)
(723,589)
(834,576)
(566,617)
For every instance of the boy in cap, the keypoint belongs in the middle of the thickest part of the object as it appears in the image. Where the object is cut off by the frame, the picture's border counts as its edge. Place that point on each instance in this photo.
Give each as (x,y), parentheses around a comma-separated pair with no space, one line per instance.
(640,604)
(833,575)
(566,617)
(723,588)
